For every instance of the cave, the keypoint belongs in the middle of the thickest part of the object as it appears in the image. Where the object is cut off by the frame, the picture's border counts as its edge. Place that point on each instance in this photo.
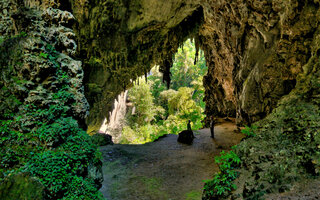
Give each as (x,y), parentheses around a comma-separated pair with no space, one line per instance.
(124,39)
(64,63)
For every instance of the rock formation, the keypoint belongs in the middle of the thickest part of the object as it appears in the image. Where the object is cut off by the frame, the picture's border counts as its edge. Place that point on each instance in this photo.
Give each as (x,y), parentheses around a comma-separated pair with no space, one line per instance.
(254,51)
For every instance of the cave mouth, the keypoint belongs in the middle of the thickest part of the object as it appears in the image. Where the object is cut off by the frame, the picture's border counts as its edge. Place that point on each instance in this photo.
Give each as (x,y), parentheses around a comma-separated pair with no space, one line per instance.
(148,110)
(111,65)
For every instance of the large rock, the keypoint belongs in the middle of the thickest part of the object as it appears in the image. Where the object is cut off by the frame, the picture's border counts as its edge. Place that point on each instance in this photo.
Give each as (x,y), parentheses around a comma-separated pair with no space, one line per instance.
(102,139)
(186,137)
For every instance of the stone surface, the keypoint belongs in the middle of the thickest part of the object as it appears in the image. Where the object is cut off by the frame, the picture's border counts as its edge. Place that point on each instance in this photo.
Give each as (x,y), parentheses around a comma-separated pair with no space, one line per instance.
(102,139)
(42,103)
(124,40)
(186,137)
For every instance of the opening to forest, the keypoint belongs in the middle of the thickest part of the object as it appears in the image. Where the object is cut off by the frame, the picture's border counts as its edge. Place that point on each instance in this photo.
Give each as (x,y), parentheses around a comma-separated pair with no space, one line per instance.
(150,110)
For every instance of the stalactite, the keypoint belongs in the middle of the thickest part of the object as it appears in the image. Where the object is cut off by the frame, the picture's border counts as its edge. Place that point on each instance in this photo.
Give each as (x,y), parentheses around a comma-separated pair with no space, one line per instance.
(165,70)
(197,44)
(146,75)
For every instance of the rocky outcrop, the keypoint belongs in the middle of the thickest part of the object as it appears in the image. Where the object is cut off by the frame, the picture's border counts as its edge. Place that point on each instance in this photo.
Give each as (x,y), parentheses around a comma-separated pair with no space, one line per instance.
(102,139)
(186,137)
(286,148)
(42,104)
(114,123)
(256,52)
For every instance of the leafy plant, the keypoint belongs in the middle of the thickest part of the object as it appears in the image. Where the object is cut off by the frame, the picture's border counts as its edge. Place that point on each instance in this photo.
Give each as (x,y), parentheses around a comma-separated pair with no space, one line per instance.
(249,131)
(43,55)
(222,183)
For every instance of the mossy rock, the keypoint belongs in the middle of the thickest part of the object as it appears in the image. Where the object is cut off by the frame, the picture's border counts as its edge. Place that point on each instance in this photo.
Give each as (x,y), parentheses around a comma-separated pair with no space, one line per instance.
(21,186)
(102,139)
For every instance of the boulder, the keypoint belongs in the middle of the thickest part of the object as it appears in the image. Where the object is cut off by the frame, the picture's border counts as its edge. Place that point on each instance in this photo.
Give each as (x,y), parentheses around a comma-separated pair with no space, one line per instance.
(102,139)
(186,137)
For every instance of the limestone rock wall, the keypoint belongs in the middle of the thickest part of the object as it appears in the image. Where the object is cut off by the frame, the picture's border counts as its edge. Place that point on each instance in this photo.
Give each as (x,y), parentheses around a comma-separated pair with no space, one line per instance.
(31,77)
(255,50)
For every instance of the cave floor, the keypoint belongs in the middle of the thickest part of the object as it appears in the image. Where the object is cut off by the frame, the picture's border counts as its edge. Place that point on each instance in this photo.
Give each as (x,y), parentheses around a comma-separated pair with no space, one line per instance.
(165,169)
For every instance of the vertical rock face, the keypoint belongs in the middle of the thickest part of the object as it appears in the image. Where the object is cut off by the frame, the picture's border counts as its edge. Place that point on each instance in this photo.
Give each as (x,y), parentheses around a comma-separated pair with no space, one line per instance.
(116,117)
(40,31)
(254,51)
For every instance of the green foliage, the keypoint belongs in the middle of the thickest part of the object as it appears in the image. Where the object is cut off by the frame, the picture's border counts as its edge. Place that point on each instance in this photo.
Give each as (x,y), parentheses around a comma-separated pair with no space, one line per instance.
(222,183)
(43,140)
(80,188)
(184,70)
(140,95)
(139,134)
(43,55)
(160,111)
(59,172)
(249,131)
(59,130)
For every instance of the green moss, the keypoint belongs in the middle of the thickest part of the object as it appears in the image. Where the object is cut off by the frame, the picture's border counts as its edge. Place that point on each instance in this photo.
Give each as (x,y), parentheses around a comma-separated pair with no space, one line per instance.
(21,186)
(193,195)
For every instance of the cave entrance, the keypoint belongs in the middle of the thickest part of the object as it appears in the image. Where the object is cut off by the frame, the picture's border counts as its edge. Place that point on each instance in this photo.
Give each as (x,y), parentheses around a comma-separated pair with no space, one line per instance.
(149,110)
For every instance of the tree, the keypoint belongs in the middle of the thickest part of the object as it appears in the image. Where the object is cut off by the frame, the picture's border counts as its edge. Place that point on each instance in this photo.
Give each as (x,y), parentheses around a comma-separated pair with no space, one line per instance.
(141,97)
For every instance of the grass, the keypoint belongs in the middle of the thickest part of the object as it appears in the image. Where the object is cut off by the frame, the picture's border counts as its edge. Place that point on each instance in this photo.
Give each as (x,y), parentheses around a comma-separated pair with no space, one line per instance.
(194,195)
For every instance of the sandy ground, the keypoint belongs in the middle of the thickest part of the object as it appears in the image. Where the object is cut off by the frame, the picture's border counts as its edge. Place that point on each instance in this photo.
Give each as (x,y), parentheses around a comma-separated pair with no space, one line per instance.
(164,169)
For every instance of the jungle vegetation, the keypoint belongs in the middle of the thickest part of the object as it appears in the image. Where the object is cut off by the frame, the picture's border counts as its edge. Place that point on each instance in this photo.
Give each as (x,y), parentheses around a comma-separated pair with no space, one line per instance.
(156,110)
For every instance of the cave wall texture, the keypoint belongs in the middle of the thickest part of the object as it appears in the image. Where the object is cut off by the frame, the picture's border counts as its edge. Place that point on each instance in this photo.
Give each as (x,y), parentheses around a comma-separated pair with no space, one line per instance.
(254,49)
(262,57)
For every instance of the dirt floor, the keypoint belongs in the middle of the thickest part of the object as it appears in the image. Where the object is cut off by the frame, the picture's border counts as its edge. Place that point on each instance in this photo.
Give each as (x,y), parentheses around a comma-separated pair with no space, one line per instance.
(165,169)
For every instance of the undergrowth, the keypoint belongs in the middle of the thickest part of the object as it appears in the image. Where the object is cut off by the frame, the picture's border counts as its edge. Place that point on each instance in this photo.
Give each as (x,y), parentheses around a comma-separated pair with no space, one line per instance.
(222,183)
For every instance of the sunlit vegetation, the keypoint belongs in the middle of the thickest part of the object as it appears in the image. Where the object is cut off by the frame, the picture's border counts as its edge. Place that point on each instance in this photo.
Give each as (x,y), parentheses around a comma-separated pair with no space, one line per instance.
(156,110)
